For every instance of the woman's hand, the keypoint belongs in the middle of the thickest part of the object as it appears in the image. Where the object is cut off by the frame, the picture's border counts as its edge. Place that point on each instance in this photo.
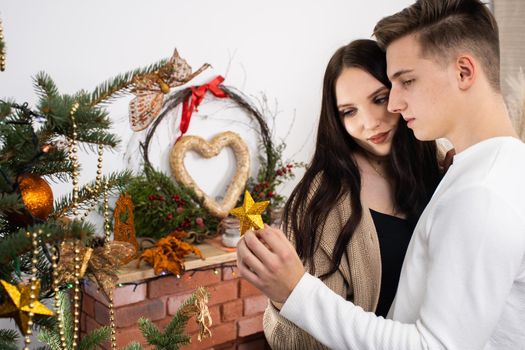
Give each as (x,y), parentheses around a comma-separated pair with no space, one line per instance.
(268,260)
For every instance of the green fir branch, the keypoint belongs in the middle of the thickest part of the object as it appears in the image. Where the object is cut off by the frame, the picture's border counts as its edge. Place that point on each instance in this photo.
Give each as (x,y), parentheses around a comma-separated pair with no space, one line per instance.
(8,339)
(133,346)
(51,336)
(173,336)
(11,203)
(88,193)
(44,85)
(5,109)
(17,243)
(119,85)
(95,338)
(149,331)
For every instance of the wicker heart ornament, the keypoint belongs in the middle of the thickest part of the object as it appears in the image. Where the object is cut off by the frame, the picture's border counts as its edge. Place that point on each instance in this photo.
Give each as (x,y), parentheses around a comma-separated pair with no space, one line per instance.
(208,150)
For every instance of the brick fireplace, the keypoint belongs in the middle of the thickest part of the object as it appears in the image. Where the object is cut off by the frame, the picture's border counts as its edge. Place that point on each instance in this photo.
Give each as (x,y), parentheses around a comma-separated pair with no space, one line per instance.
(236,307)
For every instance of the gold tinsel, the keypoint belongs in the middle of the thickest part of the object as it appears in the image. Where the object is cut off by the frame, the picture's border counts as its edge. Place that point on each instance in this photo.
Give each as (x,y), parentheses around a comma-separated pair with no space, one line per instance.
(36,195)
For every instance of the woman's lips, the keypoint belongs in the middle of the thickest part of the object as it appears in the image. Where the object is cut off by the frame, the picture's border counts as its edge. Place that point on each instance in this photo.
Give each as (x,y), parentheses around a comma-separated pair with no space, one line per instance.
(379,138)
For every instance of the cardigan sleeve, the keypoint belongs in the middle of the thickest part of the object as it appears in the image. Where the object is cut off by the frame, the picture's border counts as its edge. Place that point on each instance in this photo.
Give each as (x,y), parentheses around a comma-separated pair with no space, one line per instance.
(282,334)
(475,251)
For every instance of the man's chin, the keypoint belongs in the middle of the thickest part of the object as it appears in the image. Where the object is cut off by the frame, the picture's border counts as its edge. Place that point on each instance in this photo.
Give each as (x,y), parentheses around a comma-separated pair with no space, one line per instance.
(422,135)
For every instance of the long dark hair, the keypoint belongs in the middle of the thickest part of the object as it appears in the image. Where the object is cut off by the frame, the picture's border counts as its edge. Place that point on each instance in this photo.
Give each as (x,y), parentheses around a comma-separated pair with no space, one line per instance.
(412,164)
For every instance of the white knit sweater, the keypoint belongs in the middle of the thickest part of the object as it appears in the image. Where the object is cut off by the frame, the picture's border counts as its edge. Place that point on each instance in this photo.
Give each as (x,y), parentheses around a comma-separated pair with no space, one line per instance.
(462,284)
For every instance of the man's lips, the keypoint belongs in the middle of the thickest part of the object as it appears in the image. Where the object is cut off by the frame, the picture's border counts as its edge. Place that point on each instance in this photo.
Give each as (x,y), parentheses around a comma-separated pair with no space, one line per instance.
(409,121)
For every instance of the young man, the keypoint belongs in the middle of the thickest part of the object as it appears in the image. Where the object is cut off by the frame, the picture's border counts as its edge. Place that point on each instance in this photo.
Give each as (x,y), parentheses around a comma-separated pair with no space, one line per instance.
(462,284)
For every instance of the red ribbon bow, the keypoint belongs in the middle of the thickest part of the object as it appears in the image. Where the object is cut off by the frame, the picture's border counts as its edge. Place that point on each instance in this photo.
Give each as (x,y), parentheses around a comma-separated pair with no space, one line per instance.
(193,101)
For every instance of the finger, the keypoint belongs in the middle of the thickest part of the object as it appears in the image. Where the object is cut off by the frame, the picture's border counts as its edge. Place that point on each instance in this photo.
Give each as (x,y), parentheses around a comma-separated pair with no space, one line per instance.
(246,272)
(258,248)
(275,239)
(250,257)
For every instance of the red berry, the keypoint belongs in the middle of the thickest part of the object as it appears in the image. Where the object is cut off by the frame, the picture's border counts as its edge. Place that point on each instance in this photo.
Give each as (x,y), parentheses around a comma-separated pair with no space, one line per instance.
(200,222)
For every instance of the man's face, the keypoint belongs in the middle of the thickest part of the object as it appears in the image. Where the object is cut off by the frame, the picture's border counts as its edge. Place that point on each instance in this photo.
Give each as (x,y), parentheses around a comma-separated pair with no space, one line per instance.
(423,90)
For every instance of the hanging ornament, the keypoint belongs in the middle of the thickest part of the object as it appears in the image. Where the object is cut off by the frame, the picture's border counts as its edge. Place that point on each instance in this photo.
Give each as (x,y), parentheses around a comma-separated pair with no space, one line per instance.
(250,213)
(36,194)
(124,226)
(101,264)
(66,266)
(18,303)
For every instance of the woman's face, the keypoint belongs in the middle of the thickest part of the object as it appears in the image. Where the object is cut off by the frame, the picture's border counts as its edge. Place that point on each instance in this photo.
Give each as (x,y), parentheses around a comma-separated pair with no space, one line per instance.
(362,103)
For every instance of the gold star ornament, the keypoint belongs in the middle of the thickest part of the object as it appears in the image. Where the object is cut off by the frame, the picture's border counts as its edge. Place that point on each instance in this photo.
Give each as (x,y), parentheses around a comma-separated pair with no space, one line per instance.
(17,304)
(250,213)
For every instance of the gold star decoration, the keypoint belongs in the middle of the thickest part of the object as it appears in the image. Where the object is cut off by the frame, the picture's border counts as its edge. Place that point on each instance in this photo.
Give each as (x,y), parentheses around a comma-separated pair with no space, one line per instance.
(250,213)
(18,306)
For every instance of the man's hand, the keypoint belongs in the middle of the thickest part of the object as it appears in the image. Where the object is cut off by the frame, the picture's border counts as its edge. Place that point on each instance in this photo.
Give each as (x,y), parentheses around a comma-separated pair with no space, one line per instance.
(269,261)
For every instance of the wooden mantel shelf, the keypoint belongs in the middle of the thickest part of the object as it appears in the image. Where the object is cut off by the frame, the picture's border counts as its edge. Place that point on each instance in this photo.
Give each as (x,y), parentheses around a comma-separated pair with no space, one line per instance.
(214,253)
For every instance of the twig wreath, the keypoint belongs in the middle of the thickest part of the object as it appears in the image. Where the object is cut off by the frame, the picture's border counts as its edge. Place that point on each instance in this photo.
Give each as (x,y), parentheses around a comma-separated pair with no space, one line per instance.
(243,102)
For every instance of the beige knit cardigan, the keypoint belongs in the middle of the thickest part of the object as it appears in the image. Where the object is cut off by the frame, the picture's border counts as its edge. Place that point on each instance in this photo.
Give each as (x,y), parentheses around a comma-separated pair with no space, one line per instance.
(358,278)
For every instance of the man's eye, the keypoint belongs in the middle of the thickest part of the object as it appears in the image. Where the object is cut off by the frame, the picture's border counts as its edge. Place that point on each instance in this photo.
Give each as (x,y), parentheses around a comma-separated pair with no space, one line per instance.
(408,82)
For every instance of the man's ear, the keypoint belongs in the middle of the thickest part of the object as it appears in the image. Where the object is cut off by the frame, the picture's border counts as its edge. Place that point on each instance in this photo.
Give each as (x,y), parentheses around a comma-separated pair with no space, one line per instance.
(466,71)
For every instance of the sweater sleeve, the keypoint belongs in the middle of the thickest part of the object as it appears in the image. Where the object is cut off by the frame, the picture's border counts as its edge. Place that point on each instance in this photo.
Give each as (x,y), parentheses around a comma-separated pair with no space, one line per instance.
(282,334)
(475,251)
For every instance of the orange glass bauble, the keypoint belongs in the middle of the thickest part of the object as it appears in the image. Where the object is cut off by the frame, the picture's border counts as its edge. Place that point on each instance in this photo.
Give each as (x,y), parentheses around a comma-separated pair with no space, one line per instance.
(36,194)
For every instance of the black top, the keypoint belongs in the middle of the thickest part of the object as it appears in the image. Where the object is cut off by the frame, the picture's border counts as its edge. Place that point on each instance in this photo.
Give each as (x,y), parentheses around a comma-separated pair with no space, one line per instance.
(394,235)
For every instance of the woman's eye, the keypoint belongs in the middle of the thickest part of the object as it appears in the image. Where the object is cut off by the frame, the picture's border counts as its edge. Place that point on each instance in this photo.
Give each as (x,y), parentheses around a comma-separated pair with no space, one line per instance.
(408,82)
(381,100)
(347,113)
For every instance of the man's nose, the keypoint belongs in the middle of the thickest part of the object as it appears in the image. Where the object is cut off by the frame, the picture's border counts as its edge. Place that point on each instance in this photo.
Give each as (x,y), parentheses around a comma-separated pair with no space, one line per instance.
(396,104)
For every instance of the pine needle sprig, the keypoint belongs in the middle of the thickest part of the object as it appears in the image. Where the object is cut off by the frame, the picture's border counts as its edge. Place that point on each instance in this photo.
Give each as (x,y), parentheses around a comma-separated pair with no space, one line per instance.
(8,339)
(44,85)
(17,243)
(51,336)
(88,193)
(173,337)
(119,85)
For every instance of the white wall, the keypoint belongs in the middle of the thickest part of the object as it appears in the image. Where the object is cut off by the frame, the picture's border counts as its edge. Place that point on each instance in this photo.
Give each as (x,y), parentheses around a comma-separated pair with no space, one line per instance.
(277,48)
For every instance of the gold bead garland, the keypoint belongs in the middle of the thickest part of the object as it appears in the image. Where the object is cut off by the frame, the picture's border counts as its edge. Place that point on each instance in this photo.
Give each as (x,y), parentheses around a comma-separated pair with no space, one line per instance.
(107,234)
(74,159)
(32,295)
(77,260)
(60,320)
(2,51)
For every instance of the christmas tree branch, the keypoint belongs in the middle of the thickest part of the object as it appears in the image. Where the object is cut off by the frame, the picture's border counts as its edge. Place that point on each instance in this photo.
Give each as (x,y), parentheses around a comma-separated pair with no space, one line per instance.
(119,85)
(52,335)
(17,243)
(8,339)
(89,193)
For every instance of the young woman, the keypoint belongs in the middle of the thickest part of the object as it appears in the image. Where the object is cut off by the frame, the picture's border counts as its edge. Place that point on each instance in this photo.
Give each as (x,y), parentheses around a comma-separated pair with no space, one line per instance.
(351,216)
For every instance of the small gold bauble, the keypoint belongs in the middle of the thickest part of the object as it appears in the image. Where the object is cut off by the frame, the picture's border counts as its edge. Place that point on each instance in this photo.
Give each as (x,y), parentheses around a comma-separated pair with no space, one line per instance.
(36,194)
